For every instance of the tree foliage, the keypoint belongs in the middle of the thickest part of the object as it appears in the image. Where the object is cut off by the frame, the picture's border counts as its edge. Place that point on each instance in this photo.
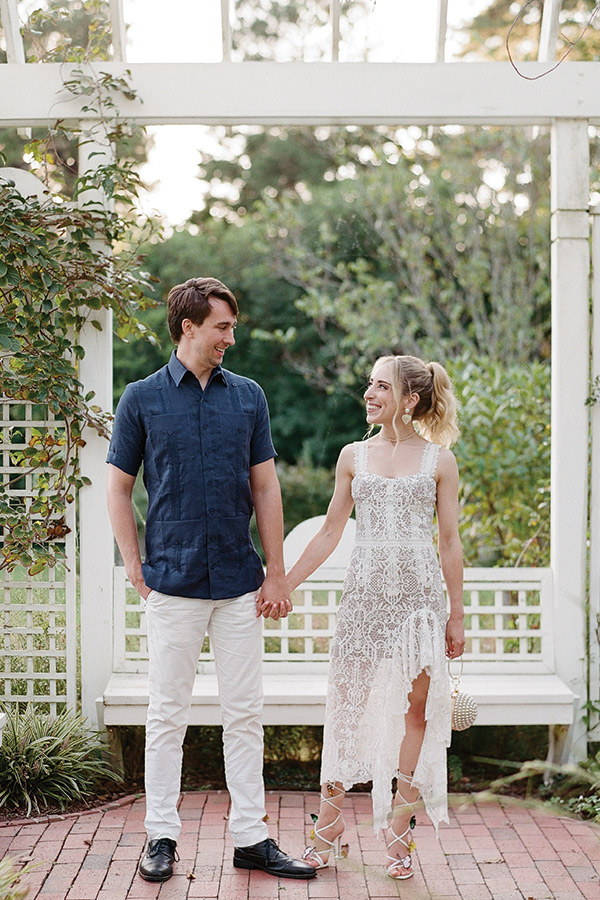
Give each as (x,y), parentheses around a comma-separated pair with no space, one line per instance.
(443,250)
(257,164)
(489,30)
(288,31)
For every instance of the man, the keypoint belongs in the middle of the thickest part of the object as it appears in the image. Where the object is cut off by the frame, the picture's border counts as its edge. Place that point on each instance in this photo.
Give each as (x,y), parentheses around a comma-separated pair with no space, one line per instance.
(203,436)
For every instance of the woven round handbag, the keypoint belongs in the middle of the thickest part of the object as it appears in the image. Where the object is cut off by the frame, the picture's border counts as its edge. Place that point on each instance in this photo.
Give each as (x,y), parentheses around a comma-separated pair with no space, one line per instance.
(464,708)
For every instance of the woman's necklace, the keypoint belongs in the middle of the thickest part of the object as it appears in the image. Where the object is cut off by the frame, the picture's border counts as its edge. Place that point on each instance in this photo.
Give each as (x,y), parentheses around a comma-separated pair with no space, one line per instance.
(397,440)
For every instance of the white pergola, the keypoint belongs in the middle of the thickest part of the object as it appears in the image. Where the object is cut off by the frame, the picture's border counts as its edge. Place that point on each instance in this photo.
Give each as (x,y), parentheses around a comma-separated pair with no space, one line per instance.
(334,93)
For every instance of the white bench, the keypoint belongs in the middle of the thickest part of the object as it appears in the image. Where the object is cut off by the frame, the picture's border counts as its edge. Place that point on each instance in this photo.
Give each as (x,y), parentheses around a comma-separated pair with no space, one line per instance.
(508,661)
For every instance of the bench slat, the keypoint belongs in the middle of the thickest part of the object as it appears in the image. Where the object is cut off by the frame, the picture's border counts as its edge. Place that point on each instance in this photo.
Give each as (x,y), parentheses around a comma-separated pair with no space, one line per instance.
(299,699)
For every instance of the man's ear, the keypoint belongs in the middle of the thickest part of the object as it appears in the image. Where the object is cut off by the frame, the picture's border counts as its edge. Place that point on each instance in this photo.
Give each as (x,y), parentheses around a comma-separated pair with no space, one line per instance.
(187,327)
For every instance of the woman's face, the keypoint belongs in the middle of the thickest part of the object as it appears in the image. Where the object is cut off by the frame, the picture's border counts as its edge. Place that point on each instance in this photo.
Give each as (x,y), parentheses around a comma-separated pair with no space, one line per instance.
(379,397)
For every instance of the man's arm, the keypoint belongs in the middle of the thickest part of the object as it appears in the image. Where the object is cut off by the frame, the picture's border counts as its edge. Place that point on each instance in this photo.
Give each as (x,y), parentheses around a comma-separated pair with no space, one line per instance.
(122,518)
(274,597)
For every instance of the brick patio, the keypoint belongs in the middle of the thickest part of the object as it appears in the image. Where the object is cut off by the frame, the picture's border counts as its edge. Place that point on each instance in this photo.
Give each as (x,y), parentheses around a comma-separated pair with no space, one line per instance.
(490,851)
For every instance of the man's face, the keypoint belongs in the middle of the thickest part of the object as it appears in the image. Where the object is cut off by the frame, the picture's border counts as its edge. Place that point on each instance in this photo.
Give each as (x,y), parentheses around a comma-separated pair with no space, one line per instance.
(209,341)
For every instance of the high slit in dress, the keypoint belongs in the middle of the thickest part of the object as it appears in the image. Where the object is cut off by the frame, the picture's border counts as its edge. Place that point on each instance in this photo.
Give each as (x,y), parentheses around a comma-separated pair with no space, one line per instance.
(391,626)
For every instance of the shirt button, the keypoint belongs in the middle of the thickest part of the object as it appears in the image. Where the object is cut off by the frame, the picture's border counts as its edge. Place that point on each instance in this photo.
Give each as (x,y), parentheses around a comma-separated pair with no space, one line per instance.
(205,427)
(212,512)
(240,430)
(169,432)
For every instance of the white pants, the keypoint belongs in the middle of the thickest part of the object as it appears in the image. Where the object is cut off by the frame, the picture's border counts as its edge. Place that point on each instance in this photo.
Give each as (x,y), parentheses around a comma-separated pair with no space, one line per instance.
(176,628)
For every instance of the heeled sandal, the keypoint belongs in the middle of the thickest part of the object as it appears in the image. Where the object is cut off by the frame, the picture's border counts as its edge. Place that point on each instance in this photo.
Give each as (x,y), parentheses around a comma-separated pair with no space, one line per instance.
(399,866)
(322,857)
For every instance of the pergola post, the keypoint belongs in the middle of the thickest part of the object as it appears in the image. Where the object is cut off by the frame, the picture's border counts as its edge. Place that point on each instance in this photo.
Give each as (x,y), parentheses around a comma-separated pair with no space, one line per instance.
(96,547)
(570,230)
(594,578)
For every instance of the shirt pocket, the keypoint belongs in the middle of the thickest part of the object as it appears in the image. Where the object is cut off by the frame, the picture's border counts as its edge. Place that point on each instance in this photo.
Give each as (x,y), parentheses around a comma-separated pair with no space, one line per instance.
(236,434)
(175,447)
(173,435)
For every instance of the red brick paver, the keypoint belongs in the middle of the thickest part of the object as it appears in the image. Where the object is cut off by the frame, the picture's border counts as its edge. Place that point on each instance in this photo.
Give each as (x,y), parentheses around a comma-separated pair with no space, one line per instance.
(497,850)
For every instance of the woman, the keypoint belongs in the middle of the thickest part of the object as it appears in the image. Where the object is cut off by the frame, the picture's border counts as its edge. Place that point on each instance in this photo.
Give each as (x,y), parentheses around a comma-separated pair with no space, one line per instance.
(388,703)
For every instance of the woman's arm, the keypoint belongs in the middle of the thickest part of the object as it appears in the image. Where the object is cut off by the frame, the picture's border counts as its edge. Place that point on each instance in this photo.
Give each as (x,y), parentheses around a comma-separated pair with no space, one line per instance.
(450,550)
(327,538)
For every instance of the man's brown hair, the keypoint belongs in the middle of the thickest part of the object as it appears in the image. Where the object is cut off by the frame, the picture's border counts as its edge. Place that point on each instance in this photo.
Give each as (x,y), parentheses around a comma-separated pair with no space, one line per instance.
(191,300)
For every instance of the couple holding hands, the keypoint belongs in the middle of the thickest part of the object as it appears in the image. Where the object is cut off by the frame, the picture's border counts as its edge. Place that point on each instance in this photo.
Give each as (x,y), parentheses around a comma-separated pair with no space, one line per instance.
(202,434)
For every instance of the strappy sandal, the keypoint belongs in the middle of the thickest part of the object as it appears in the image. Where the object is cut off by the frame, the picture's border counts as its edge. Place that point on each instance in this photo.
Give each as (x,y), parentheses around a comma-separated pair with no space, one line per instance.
(398,867)
(322,857)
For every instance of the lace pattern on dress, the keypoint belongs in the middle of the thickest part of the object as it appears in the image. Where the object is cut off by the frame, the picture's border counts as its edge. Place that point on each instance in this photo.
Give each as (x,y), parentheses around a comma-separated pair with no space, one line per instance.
(390,627)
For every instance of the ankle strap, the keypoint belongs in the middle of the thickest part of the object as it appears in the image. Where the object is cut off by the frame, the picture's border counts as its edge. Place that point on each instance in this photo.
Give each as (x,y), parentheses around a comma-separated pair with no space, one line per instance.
(334,792)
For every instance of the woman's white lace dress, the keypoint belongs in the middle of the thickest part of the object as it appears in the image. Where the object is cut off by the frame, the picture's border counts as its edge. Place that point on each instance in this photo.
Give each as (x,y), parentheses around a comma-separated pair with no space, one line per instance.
(390,627)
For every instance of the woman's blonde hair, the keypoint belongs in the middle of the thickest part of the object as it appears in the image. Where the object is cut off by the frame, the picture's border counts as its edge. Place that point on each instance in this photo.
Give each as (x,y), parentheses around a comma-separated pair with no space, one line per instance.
(436,410)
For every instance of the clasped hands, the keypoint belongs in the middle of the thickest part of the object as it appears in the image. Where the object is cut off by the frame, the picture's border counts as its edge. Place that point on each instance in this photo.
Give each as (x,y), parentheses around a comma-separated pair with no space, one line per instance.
(273,598)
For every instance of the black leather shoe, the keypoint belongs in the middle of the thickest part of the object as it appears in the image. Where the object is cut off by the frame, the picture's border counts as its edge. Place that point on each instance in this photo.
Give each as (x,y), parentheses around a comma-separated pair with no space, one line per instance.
(157,862)
(267,856)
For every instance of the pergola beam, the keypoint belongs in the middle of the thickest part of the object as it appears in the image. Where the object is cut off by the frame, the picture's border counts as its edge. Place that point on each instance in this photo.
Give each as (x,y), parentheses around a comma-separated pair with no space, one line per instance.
(315,93)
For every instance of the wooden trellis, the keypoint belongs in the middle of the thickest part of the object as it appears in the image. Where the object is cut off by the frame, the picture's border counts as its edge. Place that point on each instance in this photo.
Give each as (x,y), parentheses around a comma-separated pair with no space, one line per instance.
(440,93)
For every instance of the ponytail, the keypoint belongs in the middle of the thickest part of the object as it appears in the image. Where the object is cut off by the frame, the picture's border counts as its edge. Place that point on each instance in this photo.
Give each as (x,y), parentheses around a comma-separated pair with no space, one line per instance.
(439,421)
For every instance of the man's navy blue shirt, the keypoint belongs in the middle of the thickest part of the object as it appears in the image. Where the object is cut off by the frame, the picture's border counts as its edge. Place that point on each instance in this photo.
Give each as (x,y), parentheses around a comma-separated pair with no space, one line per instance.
(197,447)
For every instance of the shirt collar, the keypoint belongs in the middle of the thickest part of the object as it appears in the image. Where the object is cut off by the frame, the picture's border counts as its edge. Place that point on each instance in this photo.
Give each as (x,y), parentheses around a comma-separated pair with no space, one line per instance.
(177,370)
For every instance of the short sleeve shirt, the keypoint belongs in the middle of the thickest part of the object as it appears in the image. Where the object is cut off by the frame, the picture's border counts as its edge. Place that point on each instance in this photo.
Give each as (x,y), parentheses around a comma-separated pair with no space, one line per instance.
(197,447)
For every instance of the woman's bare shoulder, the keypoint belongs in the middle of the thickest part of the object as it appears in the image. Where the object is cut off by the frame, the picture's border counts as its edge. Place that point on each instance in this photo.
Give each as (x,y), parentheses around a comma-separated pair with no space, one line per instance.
(447,464)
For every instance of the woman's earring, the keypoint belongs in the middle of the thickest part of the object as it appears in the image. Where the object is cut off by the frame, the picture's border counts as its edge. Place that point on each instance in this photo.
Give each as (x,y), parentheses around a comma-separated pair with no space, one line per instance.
(407,418)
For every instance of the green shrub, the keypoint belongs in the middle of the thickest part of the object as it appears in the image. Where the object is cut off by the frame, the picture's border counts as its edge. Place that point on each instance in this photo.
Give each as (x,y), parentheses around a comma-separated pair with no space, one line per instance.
(586,806)
(48,762)
(306,491)
(576,789)
(503,456)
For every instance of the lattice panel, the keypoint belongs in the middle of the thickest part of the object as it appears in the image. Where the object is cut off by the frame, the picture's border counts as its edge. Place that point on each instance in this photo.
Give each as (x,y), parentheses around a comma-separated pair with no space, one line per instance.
(307,632)
(503,624)
(37,613)
(507,621)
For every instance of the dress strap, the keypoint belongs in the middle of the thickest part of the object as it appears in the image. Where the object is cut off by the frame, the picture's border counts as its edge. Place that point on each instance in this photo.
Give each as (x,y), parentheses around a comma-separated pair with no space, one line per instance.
(360,457)
(429,459)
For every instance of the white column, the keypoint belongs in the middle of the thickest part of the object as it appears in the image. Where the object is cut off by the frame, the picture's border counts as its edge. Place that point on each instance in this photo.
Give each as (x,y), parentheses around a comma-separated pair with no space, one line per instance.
(594,582)
(441,31)
(334,17)
(570,372)
(119,32)
(96,546)
(9,17)
(226,29)
(549,30)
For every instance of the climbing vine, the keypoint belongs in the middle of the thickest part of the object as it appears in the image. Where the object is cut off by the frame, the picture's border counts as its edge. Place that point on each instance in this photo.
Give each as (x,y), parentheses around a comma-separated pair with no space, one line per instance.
(61,261)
